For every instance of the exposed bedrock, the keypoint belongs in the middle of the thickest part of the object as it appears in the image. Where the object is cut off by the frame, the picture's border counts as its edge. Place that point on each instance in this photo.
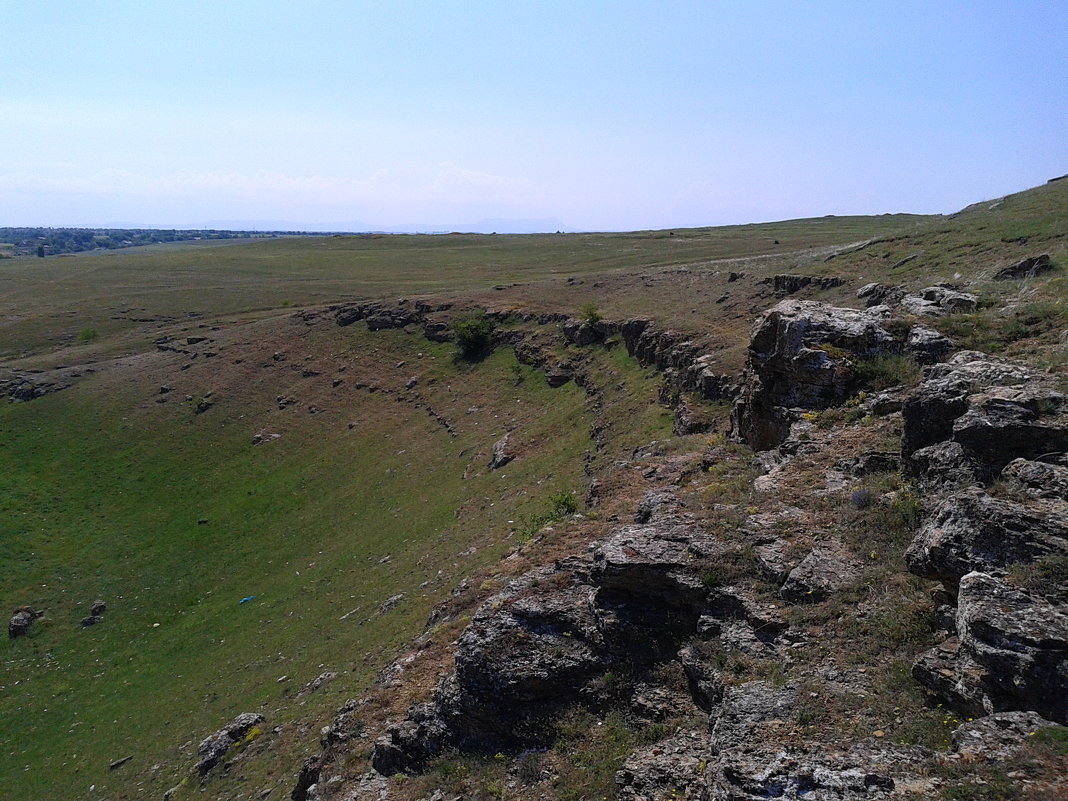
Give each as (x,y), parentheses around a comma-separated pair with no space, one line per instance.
(1010,653)
(971,530)
(801,357)
(982,413)
(547,640)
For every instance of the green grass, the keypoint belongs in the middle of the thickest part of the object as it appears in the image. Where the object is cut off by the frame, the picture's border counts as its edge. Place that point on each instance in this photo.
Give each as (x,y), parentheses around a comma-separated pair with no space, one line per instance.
(103,500)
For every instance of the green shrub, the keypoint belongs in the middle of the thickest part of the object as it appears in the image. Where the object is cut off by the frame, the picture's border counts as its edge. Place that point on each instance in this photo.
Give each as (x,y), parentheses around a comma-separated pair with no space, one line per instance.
(564,504)
(590,314)
(88,335)
(474,335)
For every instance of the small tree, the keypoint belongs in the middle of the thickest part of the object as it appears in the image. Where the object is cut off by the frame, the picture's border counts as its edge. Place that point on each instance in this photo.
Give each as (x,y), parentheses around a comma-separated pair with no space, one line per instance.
(474,335)
(590,314)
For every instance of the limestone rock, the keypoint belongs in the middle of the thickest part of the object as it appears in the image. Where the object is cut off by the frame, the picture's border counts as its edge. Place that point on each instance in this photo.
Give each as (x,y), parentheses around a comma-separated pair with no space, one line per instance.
(1012,653)
(790,773)
(995,410)
(800,357)
(1037,479)
(971,530)
(927,345)
(670,768)
(749,712)
(999,737)
(501,454)
(214,747)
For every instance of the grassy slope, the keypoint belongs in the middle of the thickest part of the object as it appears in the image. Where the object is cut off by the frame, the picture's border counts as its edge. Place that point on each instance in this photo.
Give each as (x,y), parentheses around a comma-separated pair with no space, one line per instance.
(103,500)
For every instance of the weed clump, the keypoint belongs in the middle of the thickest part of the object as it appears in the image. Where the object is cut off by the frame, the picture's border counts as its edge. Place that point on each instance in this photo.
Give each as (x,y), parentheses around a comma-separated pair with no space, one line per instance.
(889,370)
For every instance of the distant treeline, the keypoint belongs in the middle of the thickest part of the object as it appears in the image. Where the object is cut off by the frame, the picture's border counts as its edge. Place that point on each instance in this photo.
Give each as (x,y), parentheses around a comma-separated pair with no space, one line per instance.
(53,241)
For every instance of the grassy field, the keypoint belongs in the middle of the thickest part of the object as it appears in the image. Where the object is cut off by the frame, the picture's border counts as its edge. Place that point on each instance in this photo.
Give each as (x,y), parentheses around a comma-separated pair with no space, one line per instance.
(129,296)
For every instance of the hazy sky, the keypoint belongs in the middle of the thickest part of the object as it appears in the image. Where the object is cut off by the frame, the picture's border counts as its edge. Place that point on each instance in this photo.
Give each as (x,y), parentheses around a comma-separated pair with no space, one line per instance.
(605,115)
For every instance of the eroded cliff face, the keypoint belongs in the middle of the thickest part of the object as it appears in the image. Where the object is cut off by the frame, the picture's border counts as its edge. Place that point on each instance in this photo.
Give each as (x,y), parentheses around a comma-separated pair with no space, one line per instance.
(758,615)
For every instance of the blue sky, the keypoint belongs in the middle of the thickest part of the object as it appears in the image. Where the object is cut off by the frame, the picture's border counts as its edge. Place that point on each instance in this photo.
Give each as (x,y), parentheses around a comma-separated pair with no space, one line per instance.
(602,115)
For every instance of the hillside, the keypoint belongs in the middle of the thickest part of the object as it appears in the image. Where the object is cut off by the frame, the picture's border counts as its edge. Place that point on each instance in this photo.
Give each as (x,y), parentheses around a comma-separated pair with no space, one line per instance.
(267,460)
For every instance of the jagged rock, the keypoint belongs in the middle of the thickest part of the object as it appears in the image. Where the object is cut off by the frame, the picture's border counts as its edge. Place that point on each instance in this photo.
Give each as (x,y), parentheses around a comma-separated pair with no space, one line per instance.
(927,345)
(307,778)
(786,284)
(749,712)
(828,569)
(648,579)
(1037,479)
(656,504)
(799,358)
(1012,653)
(971,530)
(1002,423)
(524,655)
(670,768)
(1025,268)
(98,608)
(92,620)
(214,747)
(935,301)
(880,294)
(702,676)
(581,333)
(998,737)
(501,454)
(994,409)
(791,773)
(20,622)
(943,466)
(408,746)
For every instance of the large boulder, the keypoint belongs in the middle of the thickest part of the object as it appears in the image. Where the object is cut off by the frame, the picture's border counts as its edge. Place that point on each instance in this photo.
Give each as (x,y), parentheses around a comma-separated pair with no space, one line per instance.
(971,530)
(801,357)
(995,410)
(1011,654)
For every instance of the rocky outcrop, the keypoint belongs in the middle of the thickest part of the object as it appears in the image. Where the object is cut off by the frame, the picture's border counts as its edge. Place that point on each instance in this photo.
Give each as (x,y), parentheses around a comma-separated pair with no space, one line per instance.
(214,747)
(971,530)
(1011,653)
(995,410)
(936,301)
(787,284)
(801,357)
(1025,268)
(679,356)
(545,641)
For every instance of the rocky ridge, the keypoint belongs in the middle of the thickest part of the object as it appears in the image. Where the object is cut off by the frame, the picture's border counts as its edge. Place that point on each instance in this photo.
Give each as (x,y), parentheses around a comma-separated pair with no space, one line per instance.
(654,593)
